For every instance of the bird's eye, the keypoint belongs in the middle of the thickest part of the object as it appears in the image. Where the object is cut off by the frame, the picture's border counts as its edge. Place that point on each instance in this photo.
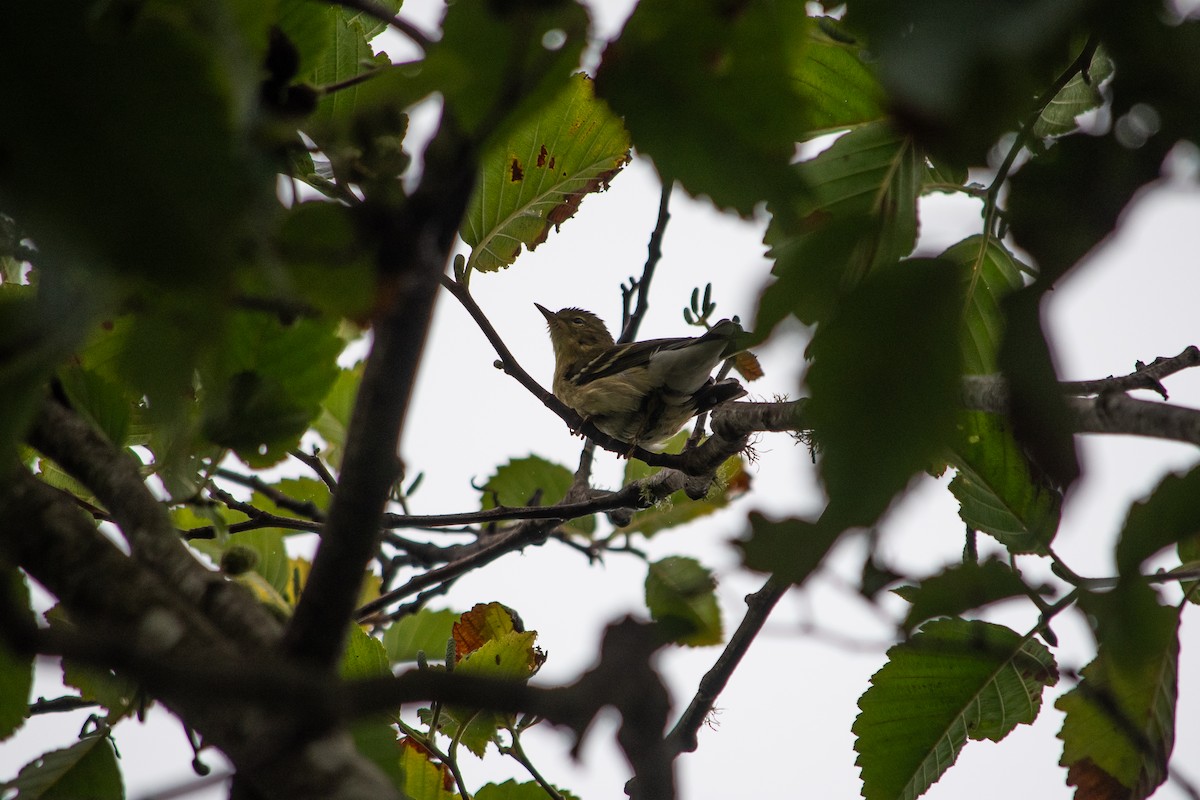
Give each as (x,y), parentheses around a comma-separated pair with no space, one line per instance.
(576,320)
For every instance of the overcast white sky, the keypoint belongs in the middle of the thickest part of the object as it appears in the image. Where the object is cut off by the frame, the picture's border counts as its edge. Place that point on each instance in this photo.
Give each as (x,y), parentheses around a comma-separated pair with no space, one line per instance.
(783,728)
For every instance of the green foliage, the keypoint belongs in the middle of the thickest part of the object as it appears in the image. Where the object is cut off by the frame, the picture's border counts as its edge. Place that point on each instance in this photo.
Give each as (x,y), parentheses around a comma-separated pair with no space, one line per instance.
(534,48)
(424,631)
(735,112)
(490,642)
(681,598)
(159,280)
(790,548)
(511,790)
(532,481)
(884,382)
(1081,94)
(997,491)
(16,669)
(1120,719)
(537,177)
(731,480)
(961,588)
(941,63)
(1169,515)
(86,769)
(955,680)
(859,214)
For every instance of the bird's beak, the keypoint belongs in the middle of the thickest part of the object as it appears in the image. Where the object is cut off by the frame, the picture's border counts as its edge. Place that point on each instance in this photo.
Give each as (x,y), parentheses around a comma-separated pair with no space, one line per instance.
(547,313)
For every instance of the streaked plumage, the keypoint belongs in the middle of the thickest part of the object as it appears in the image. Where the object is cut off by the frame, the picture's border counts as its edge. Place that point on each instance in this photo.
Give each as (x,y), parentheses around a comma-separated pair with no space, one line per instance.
(640,393)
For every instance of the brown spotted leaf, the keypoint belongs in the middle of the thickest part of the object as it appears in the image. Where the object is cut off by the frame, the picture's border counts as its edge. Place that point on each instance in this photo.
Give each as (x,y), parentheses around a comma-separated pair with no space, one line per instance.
(538,176)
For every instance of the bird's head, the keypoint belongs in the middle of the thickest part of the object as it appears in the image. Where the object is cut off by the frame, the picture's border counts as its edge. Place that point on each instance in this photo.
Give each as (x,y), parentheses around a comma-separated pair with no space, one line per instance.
(576,334)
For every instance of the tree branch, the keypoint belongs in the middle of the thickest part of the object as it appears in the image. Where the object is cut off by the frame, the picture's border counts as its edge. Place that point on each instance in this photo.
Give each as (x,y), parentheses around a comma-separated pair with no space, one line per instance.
(1110,410)
(682,738)
(128,616)
(416,245)
(697,461)
(376,11)
(114,477)
(633,320)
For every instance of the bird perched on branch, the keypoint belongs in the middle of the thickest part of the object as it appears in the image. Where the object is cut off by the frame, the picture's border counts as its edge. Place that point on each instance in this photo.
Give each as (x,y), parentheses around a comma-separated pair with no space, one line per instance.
(644,392)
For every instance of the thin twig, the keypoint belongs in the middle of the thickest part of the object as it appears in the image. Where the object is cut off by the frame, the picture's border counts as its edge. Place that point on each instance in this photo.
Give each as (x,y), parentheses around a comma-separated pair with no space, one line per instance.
(633,320)
(313,462)
(521,536)
(305,508)
(1026,131)
(1145,376)
(699,461)
(682,738)
(376,11)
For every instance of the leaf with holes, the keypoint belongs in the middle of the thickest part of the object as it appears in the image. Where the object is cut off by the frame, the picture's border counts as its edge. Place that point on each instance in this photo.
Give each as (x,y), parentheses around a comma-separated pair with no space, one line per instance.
(537,178)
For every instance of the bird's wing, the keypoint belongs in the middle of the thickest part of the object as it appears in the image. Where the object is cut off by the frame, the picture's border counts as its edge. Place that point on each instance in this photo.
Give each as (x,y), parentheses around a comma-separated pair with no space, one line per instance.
(624,357)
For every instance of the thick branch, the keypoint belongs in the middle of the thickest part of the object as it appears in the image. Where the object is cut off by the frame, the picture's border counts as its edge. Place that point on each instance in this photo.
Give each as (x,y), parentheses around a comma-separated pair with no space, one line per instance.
(126,616)
(416,247)
(114,477)
(1114,413)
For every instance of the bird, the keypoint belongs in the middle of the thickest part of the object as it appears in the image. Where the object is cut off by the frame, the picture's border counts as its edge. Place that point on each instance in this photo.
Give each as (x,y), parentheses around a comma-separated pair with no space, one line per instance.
(641,393)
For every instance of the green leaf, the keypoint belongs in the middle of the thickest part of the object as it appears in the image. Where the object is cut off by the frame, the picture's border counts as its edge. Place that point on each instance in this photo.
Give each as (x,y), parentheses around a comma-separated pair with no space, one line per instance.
(955,680)
(997,491)
(1065,202)
(736,109)
(266,384)
(374,735)
(509,656)
(16,670)
(364,657)
(309,26)
(1041,424)
(328,260)
(961,588)
(347,55)
(511,790)
(730,481)
(93,682)
(1189,555)
(190,125)
(267,544)
(681,596)
(859,215)
(837,90)
(532,481)
(1120,719)
(425,630)
(790,548)
(105,403)
(991,272)
(87,770)
(101,685)
(1169,515)
(303,490)
(1081,94)
(336,408)
(945,63)
(531,51)
(425,779)
(885,386)
(537,177)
